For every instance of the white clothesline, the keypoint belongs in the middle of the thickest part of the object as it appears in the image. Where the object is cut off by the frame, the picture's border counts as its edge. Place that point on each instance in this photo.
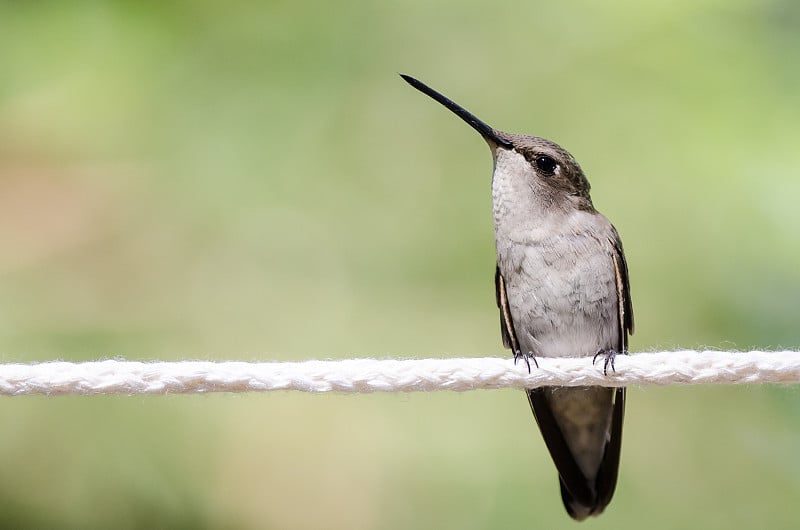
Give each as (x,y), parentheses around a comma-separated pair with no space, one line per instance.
(684,367)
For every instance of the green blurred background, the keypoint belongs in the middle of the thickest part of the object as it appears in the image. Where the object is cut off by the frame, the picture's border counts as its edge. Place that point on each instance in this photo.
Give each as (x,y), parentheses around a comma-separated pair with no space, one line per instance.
(237,180)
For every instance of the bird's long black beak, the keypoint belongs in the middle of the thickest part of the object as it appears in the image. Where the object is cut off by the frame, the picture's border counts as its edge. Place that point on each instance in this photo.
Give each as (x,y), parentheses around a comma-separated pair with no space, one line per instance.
(489,134)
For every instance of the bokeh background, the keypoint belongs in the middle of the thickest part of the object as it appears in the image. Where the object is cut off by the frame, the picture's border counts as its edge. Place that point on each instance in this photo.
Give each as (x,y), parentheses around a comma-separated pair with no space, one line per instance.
(242,180)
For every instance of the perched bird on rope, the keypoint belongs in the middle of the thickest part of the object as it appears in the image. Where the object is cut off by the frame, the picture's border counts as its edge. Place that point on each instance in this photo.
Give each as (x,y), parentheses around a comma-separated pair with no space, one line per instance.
(562,289)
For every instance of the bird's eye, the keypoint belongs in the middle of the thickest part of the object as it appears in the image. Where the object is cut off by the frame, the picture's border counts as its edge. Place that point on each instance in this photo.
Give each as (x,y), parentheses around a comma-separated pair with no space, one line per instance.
(546,165)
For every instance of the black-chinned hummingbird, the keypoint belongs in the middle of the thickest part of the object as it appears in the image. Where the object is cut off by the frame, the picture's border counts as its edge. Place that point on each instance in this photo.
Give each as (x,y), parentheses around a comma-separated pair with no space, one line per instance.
(562,288)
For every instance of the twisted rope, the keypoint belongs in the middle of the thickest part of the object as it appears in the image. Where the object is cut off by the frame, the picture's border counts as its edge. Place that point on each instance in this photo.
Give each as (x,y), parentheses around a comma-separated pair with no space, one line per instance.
(370,375)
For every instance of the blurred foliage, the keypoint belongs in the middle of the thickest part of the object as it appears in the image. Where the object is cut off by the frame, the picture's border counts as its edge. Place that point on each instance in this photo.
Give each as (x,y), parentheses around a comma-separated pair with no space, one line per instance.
(252,181)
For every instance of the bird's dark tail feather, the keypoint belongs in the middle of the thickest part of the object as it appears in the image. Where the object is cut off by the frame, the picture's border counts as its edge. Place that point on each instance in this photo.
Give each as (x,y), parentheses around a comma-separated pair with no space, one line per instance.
(581,497)
(593,498)
(576,509)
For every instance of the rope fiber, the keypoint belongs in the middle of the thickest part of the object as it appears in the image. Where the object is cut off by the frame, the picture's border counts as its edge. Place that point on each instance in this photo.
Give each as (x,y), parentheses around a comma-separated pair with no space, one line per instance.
(684,367)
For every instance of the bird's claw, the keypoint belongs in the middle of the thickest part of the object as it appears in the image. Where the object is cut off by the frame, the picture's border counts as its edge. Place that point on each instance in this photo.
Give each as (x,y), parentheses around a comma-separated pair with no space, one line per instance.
(609,356)
(527,357)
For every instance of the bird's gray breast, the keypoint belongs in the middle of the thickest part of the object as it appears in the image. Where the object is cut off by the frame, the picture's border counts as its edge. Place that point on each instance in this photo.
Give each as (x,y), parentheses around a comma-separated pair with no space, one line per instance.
(561,286)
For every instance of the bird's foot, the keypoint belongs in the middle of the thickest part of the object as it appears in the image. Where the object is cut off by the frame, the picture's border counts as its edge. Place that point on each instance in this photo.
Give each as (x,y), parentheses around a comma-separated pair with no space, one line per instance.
(527,357)
(609,356)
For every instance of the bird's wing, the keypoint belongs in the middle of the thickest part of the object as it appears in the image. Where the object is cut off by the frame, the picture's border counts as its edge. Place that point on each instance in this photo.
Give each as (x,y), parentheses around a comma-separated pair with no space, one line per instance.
(623,292)
(609,466)
(506,324)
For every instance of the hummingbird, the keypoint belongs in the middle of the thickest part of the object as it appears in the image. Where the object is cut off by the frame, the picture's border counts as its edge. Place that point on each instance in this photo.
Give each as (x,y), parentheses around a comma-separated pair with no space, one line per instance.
(562,289)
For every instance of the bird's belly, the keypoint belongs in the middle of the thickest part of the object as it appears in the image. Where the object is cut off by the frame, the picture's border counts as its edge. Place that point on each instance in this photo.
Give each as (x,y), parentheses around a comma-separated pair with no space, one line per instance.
(563,300)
